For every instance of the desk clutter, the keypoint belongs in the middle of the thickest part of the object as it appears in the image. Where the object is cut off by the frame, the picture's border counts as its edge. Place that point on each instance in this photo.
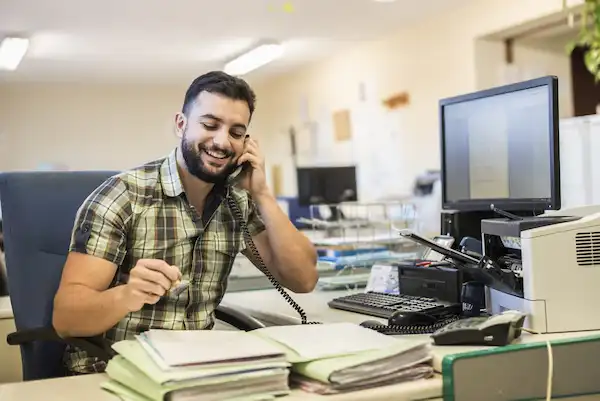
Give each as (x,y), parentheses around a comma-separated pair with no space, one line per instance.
(262,364)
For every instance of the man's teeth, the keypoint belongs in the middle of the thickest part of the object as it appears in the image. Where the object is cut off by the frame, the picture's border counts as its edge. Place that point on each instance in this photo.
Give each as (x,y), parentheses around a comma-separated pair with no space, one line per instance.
(218,155)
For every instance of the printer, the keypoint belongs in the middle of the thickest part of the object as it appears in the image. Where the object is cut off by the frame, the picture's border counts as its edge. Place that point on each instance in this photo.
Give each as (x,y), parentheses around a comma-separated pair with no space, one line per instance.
(547,267)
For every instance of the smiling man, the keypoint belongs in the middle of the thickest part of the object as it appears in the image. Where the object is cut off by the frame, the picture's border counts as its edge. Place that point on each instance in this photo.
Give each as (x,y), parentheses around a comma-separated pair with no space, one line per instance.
(145,230)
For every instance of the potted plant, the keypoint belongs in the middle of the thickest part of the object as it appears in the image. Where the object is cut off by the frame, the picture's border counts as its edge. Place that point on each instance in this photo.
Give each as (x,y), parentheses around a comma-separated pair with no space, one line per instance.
(589,36)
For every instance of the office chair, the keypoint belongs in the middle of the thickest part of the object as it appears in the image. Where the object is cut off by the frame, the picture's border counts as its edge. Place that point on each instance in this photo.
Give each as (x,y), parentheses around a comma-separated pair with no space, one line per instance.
(38,211)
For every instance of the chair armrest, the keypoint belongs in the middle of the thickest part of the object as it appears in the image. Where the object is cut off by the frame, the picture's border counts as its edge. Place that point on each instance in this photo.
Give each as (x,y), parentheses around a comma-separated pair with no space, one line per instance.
(237,319)
(94,346)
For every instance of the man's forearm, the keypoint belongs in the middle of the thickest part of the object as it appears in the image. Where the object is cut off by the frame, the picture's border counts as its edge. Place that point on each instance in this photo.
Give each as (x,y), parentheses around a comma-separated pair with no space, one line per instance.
(294,256)
(83,312)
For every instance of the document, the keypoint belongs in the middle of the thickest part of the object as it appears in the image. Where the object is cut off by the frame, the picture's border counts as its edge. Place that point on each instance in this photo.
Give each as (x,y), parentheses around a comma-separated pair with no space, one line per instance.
(191,347)
(317,341)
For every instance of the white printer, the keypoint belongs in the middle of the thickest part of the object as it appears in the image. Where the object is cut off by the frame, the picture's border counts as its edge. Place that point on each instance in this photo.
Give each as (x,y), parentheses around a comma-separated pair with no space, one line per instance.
(547,267)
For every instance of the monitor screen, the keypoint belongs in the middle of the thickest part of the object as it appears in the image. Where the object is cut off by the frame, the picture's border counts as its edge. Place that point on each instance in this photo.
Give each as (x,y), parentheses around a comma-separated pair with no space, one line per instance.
(500,147)
(326,185)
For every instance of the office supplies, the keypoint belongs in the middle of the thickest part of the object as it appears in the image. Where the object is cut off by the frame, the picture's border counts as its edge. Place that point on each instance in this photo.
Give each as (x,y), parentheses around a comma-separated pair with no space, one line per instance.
(384,305)
(383,279)
(402,318)
(172,347)
(437,280)
(497,330)
(546,267)
(471,246)
(179,287)
(145,373)
(165,361)
(406,361)
(472,297)
(342,281)
(443,240)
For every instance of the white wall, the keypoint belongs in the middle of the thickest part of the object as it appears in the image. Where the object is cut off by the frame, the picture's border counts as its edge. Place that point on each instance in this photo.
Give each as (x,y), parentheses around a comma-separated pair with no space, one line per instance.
(116,126)
(85,126)
(528,63)
(430,60)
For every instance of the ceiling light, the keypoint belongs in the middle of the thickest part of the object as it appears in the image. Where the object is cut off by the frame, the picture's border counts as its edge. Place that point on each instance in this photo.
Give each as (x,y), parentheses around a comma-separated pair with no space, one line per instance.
(254,59)
(12,51)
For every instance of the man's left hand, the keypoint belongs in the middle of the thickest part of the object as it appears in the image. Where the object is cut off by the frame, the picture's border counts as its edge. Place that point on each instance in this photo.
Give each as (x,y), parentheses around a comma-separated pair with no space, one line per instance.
(255,181)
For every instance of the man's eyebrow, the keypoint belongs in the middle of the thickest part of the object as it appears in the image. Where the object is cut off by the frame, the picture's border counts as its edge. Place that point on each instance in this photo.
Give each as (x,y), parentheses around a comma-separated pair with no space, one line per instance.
(219,119)
(212,117)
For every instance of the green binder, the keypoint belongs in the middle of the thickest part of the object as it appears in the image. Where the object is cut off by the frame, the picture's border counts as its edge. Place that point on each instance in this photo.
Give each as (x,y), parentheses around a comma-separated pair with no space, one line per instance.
(520,371)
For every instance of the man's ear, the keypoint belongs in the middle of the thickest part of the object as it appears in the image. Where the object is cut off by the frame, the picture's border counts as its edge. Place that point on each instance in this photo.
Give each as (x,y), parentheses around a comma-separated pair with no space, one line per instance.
(180,124)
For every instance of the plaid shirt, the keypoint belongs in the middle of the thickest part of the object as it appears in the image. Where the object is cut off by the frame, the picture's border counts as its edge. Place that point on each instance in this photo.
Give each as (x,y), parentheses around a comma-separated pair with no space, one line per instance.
(144,214)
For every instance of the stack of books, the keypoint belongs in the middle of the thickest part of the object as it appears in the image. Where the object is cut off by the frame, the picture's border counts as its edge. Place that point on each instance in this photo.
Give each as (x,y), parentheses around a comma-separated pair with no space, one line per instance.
(262,364)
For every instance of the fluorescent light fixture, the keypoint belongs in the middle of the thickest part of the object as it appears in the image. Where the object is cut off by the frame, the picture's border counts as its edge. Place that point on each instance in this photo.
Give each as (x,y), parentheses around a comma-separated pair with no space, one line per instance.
(12,51)
(254,59)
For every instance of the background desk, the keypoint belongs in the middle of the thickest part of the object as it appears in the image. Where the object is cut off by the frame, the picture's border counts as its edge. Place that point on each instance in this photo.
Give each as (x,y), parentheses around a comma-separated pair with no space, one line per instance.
(10,368)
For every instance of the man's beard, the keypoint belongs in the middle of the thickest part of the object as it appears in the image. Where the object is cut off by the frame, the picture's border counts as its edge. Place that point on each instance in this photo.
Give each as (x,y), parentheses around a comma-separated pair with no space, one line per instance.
(196,166)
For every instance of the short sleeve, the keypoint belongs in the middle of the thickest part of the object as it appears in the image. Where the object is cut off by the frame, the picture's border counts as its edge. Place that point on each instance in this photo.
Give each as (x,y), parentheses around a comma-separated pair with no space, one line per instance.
(255,221)
(100,227)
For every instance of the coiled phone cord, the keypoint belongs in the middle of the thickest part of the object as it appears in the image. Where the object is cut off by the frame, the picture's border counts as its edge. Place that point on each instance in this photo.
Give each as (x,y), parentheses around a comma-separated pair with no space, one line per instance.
(413,329)
(239,216)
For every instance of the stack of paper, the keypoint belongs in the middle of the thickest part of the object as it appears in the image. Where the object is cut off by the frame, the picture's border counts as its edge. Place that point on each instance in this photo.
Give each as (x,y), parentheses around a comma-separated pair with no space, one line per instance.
(341,357)
(226,365)
(199,365)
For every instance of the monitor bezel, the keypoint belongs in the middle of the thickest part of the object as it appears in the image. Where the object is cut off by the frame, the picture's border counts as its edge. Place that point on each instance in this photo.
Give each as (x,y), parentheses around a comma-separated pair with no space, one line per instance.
(525,204)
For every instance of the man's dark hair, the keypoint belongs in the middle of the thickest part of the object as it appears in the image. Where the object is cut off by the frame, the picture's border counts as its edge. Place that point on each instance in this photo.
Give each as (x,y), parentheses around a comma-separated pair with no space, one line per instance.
(223,84)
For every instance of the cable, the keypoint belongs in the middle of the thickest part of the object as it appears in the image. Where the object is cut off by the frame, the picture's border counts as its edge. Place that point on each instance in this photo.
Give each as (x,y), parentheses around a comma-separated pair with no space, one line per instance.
(239,216)
(413,329)
(550,365)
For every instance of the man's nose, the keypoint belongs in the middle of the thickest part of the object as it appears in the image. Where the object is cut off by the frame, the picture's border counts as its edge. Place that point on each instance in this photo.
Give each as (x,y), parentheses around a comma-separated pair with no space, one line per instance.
(221,139)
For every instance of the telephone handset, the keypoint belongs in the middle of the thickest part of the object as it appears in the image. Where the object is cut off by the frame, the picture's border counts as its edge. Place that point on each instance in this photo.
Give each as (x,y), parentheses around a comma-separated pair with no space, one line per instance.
(238,174)
(233,179)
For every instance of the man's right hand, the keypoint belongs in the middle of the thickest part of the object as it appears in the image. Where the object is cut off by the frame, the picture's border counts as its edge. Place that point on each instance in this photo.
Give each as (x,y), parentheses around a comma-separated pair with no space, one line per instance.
(149,280)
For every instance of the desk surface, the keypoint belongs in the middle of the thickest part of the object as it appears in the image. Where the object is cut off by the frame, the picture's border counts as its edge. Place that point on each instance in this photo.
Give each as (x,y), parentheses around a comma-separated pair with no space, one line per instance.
(88,387)
(270,306)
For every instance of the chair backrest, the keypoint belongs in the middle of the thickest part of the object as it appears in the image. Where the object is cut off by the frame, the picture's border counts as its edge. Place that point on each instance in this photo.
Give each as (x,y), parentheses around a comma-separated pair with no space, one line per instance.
(38,210)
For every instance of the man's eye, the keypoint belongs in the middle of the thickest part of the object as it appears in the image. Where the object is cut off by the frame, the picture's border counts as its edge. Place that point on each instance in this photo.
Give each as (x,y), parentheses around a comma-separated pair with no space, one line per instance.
(236,135)
(210,127)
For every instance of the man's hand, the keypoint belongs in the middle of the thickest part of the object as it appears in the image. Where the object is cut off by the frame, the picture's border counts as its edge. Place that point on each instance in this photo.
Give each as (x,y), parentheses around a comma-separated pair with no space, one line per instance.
(255,181)
(149,280)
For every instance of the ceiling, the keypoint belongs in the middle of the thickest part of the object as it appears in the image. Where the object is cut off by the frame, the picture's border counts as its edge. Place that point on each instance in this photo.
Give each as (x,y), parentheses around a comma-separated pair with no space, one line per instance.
(172,40)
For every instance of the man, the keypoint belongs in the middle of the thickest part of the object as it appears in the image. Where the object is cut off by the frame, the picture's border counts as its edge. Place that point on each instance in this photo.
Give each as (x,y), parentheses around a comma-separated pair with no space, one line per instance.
(144,230)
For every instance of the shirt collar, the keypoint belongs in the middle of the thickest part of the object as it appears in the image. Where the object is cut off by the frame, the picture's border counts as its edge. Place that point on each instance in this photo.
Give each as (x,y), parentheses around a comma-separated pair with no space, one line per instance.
(169,176)
(171,182)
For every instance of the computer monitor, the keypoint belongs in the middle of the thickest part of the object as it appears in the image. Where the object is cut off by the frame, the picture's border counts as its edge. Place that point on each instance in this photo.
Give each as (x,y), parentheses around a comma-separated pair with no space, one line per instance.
(326,185)
(500,147)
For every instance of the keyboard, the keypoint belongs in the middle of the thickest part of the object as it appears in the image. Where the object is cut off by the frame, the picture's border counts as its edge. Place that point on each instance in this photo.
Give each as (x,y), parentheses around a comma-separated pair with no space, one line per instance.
(384,305)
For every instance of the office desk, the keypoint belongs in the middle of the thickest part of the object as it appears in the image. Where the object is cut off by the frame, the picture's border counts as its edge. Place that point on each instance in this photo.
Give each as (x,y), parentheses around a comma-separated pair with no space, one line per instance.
(10,368)
(269,306)
(88,388)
